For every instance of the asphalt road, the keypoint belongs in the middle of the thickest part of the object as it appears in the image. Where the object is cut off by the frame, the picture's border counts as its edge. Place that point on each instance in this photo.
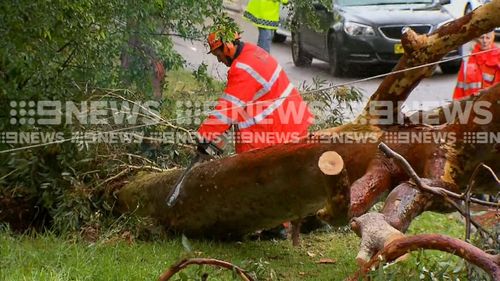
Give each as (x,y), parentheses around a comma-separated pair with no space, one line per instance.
(431,92)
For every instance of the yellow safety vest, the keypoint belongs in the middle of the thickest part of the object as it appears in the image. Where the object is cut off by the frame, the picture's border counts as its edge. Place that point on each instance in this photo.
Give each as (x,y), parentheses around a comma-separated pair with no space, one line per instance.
(264,13)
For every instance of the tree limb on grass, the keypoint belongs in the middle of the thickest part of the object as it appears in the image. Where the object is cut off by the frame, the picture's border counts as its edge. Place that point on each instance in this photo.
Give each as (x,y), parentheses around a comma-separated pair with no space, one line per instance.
(203,261)
(402,246)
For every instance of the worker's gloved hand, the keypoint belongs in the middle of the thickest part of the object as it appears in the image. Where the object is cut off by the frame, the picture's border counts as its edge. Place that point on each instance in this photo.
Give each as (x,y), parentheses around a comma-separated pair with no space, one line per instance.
(208,148)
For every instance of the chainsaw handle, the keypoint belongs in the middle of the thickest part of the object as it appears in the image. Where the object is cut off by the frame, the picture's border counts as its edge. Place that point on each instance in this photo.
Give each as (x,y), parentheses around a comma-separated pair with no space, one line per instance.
(209,148)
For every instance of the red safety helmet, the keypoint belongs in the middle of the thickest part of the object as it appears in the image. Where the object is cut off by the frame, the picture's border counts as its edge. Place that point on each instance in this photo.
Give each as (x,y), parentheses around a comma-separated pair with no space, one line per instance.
(215,42)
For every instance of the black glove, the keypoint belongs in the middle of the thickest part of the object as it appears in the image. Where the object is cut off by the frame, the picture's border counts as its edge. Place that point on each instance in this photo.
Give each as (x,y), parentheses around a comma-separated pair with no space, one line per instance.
(208,148)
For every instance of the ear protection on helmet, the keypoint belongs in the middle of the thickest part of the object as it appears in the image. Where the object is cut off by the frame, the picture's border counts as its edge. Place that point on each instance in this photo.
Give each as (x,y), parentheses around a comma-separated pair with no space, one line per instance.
(229,49)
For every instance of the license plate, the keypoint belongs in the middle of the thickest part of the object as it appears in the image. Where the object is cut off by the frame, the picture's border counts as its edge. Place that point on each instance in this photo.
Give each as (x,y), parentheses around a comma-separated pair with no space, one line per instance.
(398,48)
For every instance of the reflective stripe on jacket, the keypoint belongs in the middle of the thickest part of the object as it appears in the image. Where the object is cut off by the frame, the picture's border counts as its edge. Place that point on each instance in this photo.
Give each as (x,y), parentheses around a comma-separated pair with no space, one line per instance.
(479,72)
(261,101)
(264,13)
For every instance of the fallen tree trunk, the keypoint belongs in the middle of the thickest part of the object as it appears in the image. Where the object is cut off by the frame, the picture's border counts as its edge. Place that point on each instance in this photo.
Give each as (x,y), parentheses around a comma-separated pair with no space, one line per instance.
(237,195)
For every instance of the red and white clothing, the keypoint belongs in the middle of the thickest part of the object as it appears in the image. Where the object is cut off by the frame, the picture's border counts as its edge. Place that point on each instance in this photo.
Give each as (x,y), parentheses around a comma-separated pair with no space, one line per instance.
(478,72)
(260,100)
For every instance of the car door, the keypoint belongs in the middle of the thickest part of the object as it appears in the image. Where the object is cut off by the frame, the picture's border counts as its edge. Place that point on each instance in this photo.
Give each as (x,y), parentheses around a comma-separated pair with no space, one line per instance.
(315,40)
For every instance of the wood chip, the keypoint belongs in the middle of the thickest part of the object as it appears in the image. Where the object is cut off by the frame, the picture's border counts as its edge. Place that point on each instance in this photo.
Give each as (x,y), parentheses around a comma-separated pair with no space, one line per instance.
(326,261)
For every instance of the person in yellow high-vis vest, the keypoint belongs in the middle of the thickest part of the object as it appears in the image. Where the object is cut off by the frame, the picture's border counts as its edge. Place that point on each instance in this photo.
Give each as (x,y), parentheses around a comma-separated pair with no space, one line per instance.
(265,14)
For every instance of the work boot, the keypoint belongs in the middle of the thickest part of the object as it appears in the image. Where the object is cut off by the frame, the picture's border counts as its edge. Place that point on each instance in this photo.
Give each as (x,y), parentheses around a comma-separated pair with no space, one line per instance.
(277,233)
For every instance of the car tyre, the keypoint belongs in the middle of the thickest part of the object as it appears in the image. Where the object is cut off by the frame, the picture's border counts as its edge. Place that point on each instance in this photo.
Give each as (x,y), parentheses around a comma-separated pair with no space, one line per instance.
(299,56)
(450,68)
(279,38)
(337,67)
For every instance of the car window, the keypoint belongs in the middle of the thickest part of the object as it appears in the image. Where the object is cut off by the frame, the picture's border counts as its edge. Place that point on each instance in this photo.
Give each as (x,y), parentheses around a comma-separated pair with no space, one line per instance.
(381,2)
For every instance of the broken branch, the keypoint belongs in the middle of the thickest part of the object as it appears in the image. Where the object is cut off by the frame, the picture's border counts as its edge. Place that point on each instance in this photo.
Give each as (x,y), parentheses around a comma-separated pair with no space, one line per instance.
(202,261)
(422,185)
(446,194)
(402,246)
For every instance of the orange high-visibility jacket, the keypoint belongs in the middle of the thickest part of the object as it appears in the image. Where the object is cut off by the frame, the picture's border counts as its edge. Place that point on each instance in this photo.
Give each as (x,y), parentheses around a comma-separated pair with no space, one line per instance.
(479,72)
(260,100)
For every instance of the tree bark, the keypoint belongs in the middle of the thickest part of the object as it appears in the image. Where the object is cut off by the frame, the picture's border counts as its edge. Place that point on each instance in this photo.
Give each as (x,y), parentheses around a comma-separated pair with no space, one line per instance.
(474,255)
(234,196)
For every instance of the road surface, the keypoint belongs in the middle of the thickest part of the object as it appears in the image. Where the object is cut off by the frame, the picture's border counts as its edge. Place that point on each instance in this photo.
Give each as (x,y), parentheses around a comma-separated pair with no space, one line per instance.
(431,92)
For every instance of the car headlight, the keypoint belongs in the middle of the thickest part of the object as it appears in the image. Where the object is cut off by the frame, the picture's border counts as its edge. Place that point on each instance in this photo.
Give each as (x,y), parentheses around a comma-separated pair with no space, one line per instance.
(358,29)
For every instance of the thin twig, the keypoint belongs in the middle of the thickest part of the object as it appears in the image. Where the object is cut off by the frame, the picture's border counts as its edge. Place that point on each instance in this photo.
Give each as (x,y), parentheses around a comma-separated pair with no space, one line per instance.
(468,191)
(446,194)
(130,155)
(153,168)
(491,171)
(418,181)
(147,110)
(129,168)
(120,174)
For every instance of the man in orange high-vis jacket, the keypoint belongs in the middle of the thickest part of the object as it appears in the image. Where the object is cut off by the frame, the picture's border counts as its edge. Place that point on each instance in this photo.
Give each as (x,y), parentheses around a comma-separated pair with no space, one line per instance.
(258,100)
(480,70)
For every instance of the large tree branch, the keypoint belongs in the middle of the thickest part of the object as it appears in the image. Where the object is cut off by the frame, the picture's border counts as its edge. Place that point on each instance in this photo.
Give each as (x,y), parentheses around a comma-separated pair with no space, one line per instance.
(400,247)
(420,183)
(445,194)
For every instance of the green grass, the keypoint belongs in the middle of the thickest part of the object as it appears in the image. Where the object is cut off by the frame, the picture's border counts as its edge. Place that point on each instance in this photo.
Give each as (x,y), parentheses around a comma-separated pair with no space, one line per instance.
(47,257)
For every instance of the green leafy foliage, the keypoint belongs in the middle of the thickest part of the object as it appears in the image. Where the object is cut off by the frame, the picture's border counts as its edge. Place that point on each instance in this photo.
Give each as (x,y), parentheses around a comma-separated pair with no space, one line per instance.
(431,265)
(50,49)
(85,51)
(304,11)
(225,28)
(332,105)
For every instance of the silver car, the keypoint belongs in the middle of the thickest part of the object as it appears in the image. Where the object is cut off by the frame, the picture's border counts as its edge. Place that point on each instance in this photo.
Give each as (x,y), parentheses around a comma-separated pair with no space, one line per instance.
(284,29)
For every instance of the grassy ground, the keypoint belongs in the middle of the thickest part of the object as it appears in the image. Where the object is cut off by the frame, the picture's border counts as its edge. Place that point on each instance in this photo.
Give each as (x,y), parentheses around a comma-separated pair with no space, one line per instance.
(47,257)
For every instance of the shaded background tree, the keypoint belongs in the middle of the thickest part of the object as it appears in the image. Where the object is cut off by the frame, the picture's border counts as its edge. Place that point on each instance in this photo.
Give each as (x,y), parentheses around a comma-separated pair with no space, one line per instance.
(78,51)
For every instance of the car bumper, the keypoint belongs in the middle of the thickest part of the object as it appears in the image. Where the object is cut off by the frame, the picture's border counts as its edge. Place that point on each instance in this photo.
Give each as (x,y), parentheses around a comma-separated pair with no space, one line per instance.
(374,51)
(283,31)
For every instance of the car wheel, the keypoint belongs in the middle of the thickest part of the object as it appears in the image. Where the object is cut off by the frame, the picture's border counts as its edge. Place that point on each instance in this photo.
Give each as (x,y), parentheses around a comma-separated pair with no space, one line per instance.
(450,67)
(299,56)
(336,66)
(279,38)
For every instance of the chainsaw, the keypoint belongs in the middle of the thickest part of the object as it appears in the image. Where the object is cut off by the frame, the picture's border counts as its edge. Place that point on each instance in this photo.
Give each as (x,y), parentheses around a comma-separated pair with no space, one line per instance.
(204,152)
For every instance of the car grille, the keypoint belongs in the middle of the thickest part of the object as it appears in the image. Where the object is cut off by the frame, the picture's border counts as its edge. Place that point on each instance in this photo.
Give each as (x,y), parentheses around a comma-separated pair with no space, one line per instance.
(387,57)
(394,31)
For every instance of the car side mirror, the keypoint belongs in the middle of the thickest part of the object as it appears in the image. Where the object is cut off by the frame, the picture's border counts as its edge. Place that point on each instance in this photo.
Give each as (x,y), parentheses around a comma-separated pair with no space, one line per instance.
(444,2)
